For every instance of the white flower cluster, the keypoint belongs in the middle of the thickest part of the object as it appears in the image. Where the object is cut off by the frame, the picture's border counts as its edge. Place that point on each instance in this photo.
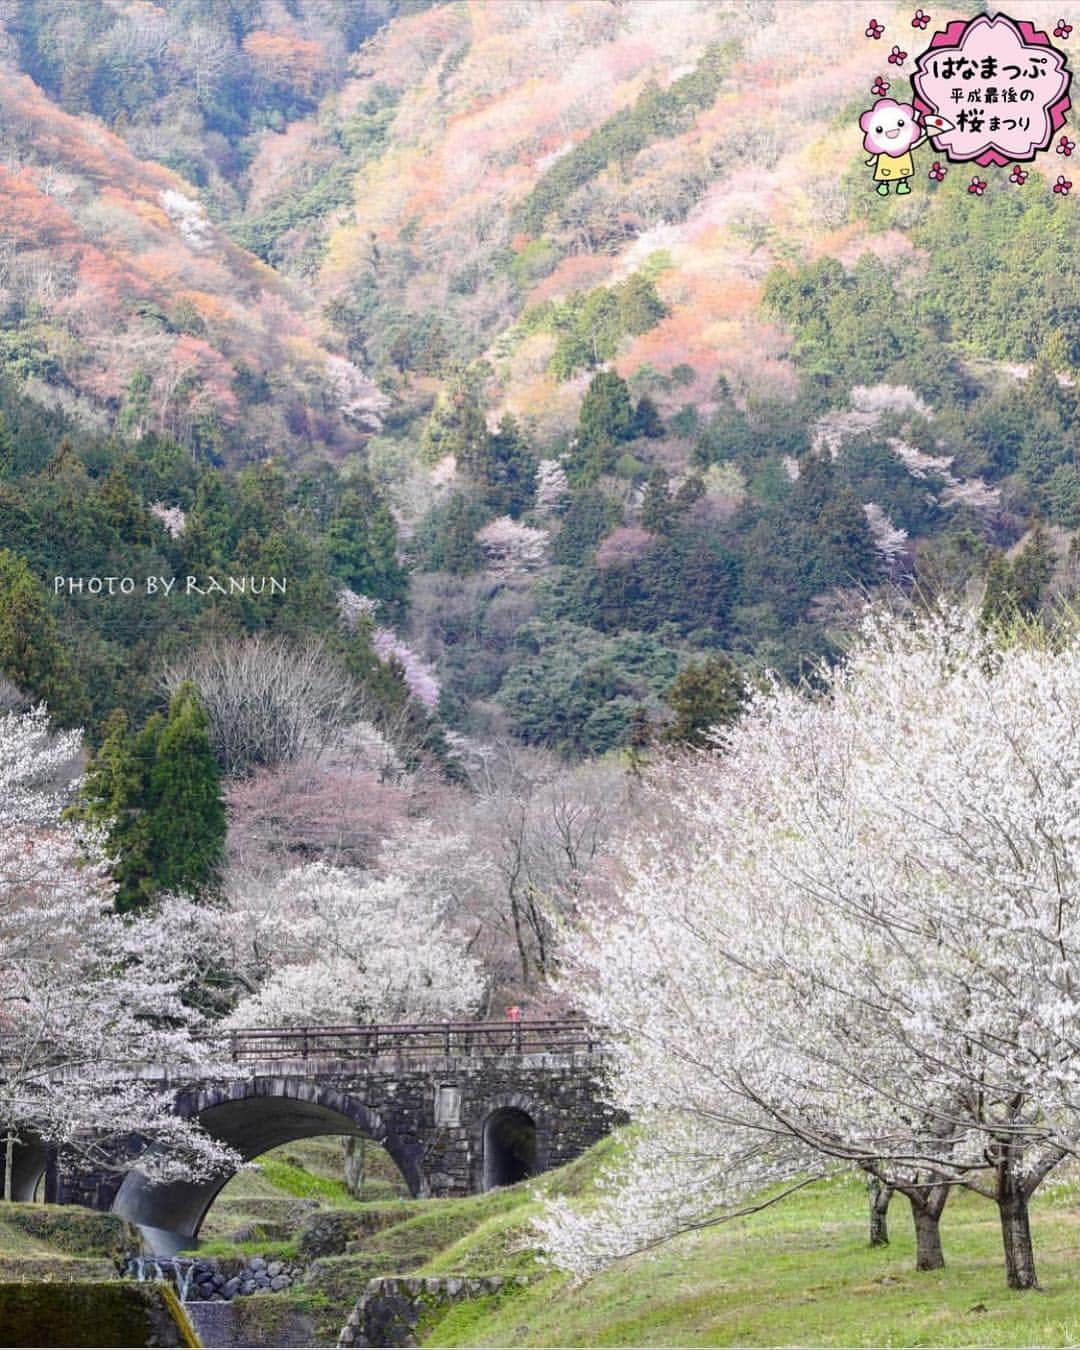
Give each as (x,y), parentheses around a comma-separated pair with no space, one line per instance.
(889,540)
(551,484)
(422,682)
(329,946)
(354,608)
(512,549)
(864,952)
(189,218)
(172,517)
(869,405)
(89,1001)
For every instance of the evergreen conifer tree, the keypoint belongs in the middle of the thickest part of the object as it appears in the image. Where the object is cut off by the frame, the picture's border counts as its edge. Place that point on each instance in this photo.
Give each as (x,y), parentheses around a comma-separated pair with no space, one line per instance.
(706,694)
(362,538)
(31,654)
(188,813)
(114,796)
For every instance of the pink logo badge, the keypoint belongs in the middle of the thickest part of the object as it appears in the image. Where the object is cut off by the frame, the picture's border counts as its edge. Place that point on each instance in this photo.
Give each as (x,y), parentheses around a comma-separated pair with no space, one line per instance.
(999,86)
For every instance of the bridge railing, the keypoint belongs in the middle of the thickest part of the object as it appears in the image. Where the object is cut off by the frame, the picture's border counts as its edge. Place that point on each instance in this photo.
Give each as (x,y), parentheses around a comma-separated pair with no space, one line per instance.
(426,1040)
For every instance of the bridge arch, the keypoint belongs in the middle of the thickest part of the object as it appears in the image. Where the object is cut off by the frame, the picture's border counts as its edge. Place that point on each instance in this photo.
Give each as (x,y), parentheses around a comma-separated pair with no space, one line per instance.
(253,1116)
(28,1168)
(511,1140)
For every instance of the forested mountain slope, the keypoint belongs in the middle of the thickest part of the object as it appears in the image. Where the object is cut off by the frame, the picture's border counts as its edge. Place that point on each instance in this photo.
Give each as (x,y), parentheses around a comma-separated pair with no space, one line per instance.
(592,303)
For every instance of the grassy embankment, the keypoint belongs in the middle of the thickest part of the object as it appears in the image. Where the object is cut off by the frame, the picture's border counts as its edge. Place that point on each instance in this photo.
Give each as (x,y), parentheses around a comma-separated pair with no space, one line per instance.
(799,1273)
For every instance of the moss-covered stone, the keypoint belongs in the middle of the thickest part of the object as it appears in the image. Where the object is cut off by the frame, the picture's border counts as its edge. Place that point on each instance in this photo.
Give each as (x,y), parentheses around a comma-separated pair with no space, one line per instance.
(399,1311)
(26,1269)
(329,1232)
(262,1321)
(78,1314)
(73,1230)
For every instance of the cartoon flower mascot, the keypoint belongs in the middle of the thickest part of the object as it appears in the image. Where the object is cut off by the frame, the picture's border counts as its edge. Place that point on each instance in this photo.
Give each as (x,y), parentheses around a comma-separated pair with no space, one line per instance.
(891,134)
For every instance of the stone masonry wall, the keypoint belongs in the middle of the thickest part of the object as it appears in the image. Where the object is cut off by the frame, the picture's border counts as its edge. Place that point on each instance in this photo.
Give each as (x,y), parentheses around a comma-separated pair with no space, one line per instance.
(392,1310)
(429,1115)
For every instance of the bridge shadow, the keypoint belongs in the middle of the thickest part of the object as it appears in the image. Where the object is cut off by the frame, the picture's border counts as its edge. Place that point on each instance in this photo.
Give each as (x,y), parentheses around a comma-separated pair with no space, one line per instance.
(267,1115)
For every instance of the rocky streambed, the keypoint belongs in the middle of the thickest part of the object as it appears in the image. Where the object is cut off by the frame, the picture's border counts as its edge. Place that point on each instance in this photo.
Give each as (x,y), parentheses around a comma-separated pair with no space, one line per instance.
(216,1279)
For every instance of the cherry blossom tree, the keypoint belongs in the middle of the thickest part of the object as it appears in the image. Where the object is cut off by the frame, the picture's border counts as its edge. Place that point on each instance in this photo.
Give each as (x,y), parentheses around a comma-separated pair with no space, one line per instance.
(512,549)
(867,947)
(172,518)
(336,808)
(326,946)
(551,484)
(91,1004)
(537,832)
(890,541)
(420,679)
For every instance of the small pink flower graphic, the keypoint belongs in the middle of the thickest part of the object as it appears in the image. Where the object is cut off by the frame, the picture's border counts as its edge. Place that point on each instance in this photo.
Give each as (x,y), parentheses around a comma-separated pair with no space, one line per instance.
(880,87)
(1063,29)
(1062,185)
(897,57)
(1018,176)
(1065,146)
(920,20)
(977,186)
(874,29)
(937,172)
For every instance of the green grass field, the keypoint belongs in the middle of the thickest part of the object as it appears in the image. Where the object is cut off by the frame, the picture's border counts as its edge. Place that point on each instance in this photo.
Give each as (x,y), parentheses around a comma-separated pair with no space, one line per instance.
(800,1273)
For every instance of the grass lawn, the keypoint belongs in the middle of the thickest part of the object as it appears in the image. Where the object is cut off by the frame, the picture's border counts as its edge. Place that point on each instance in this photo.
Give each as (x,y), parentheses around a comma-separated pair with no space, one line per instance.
(798,1274)
(269,1200)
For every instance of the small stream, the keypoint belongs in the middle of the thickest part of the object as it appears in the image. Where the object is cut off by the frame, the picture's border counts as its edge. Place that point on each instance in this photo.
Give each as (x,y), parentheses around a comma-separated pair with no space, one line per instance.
(175,1270)
(213,1298)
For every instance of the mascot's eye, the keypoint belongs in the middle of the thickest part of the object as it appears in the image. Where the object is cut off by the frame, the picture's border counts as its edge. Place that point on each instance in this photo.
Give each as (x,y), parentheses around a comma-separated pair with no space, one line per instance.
(878,130)
(900,123)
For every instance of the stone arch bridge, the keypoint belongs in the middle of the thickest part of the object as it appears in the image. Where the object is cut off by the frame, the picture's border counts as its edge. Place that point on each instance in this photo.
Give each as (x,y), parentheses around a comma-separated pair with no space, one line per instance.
(459,1107)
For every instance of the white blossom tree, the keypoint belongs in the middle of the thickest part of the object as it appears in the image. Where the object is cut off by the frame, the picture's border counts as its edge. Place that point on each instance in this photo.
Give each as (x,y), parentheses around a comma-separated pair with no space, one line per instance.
(551,485)
(541,830)
(326,946)
(512,549)
(868,949)
(91,1004)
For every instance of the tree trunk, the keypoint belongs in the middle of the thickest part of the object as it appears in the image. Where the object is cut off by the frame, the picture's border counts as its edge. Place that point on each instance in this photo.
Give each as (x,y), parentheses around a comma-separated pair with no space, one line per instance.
(1016,1233)
(355,1150)
(927,1202)
(928,1253)
(9,1162)
(880,1196)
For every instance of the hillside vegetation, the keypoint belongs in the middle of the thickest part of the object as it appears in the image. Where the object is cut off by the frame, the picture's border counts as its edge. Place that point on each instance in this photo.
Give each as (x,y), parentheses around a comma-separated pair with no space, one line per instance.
(601,309)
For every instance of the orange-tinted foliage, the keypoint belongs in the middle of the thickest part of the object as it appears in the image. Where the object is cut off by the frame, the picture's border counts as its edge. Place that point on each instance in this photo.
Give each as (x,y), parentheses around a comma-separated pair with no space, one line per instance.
(287,58)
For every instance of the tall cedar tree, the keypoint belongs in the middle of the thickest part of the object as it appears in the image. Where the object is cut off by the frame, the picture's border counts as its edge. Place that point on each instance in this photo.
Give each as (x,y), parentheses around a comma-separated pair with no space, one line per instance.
(362,537)
(157,795)
(188,819)
(605,420)
(706,694)
(31,654)
(114,794)
(1016,588)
